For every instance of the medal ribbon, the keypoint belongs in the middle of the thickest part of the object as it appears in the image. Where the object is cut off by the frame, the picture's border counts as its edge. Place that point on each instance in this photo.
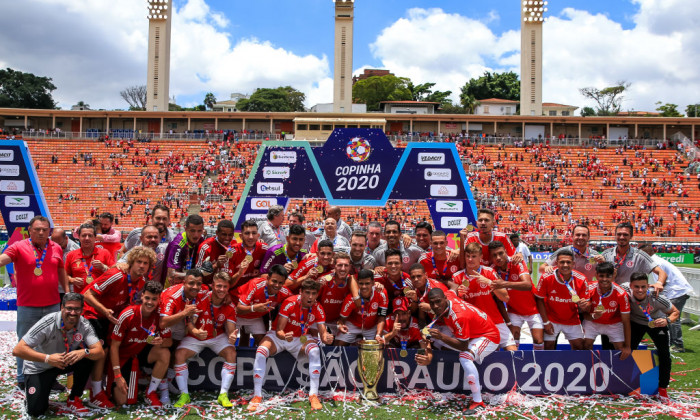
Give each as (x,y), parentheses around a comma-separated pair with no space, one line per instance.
(277,232)
(620,260)
(444,268)
(150,331)
(586,255)
(65,337)
(568,286)
(401,279)
(601,296)
(303,324)
(39,261)
(213,316)
(284,248)
(85,264)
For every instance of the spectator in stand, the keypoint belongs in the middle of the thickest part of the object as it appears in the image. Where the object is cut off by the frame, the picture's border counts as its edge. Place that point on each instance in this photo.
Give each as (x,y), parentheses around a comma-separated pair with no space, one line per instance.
(271,231)
(38,263)
(342,228)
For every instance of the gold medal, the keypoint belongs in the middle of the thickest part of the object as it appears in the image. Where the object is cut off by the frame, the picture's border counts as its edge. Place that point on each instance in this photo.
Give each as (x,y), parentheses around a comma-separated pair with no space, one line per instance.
(319,269)
(295,264)
(88,280)
(37,271)
(575,298)
(303,339)
(591,260)
(248,258)
(426,332)
(470,228)
(651,324)
(229,254)
(403,353)
(150,339)
(600,308)
(406,290)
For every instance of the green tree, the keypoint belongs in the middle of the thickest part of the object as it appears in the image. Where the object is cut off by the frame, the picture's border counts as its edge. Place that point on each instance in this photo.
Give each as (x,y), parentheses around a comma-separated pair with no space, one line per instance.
(209,100)
(608,99)
(693,110)
(492,85)
(281,99)
(587,111)
(448,107)
(373,90)
(25,90)
(668,110)
(469,102)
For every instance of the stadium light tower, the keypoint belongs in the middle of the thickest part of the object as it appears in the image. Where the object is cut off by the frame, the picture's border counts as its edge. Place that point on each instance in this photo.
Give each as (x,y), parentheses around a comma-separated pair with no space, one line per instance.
(158,82)
(532,13)
(342,68)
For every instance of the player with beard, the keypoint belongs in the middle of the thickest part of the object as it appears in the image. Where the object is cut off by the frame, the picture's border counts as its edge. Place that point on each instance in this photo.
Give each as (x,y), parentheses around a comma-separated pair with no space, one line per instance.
(366,322)
(401,330)
(150,238)
(359,259)
(585,257)
(181,254)
(335,287)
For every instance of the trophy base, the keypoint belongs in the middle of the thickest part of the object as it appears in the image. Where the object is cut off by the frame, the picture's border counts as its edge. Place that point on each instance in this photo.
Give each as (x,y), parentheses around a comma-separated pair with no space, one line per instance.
(370,396)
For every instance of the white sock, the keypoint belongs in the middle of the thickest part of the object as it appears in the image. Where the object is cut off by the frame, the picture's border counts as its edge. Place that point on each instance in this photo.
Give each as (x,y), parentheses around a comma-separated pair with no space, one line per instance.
(472,375)
(96,387)
(536,346)
(314,367)
(155,382)
(163,385)
(228,372)
(182,375)
(259,366)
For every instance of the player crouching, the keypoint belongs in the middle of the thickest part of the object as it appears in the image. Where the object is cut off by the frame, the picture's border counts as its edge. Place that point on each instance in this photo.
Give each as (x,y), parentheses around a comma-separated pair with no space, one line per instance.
(137,343)
(213,327)
(299,321)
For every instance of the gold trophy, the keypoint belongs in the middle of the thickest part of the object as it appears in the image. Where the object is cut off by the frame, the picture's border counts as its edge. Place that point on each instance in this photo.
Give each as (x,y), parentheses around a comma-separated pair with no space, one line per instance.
(370,365)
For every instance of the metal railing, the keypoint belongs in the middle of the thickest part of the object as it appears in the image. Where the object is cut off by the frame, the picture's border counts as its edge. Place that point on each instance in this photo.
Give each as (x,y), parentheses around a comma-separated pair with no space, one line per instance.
(692,305)
(143,136)
(527,142)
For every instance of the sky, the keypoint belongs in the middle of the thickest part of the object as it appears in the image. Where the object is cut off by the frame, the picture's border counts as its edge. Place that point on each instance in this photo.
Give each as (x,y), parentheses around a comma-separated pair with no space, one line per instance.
(93,49)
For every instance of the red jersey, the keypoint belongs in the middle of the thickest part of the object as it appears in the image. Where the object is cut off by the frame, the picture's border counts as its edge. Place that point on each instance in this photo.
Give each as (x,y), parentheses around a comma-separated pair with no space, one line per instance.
(371,309)
(485,253)
(172,300)
(79,265)
(213,319)
(438,270)
(479,294)
(239,253)
(615,303)
(557,297)
(133,331)
(468,322)
(115,290)
(298,316)
(411,335)
(521,302)
(331,297)
(308,264)
(393,289)
(212,249)
(255,291)
(429,285)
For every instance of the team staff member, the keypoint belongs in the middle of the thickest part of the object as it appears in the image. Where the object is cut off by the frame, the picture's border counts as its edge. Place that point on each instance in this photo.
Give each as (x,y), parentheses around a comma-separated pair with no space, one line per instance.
(150,238)
(136,342)
(342,228)
(106,298)
(340,244)
(359,259)
(160,218)
(181,254)
(215,249)
(298,218)
(38,264)
(88,262)
(300,316)
(472,333)
(60,342)
(259,297)
(522,308)
(585,257)
(409,254)
(628,259)
(366,322)
(560,297)
(651,315)
(271,231)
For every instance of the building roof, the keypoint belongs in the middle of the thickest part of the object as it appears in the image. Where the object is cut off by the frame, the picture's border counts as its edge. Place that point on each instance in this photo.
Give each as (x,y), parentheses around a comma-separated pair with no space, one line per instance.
(497,101)
(410,102)
(639,113)
(552,104)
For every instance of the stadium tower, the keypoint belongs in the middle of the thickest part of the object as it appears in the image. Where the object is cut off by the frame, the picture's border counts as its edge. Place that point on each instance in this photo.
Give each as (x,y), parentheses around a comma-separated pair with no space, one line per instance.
(342,68)
(532,13)
(158,82)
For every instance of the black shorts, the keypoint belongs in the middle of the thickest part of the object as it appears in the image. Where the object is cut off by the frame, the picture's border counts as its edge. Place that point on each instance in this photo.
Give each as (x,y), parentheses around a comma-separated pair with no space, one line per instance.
(102,329)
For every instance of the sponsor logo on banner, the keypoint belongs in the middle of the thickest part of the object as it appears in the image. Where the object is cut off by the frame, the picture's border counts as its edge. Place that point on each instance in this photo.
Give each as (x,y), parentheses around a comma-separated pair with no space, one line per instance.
(444,206)
(283,157)
(276,172)
(16,201)
(258,217)
(443,190)
(9,170)
(7,155)
(12,186)
(437,174)
(270,188)
(453,222)
(262,203)
(21,216)
(431,158)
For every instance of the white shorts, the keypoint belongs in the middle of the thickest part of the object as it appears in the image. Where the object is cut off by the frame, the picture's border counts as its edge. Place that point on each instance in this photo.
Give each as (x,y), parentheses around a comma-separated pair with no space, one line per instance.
(615,332)
(481,347)
(253,326)
(571,332)
(332,328)
(533,321)
(354,332)
(506,336)
(216,344)
(178,331)
(293,347)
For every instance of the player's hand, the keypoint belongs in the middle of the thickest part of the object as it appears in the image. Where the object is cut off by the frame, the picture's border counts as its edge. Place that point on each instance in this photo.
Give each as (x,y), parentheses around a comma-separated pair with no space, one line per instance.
(464,232)
(406,240)
(461,291)
(201,334)
(660,322)
(657,288)
(452,255)
(327,338)
(343,328)
(548,269)
(73,357)
(625,352)
(584,305)
(98,265)
(232,337)
(517,258)
(513,329)
(190,310)
(76,282)
(498,284)
(397,327)
(56,360)
(411,295)
(313,274)
(379,286)
(379,339)
(436,334)
(425,307)
(379,270)
(289,336)
(549,329)
(221,260)
(358,302)
(121,385)
(157,340)
(244,266)
(599,259)
(111,318)
(289,267)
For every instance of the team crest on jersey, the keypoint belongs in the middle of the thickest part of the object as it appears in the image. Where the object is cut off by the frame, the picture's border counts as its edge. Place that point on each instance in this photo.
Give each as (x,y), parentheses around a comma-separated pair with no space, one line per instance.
(31,390)
(630,264)
(613,303)
(221,318)
(397,302)
(513,277)
(406,259)
(375,305)
(77,337)
(589,267)
(453,269)
(484,285)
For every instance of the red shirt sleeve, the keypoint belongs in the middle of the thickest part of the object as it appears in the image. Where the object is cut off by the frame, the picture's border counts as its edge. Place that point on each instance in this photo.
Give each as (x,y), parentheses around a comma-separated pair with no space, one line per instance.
(348,305)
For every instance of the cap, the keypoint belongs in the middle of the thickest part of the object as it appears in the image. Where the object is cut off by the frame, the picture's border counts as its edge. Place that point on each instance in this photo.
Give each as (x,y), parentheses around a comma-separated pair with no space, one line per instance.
(401,304)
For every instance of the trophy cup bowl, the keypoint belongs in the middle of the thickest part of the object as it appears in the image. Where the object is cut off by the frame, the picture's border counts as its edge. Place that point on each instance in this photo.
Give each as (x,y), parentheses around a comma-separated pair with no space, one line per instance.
(370,365)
